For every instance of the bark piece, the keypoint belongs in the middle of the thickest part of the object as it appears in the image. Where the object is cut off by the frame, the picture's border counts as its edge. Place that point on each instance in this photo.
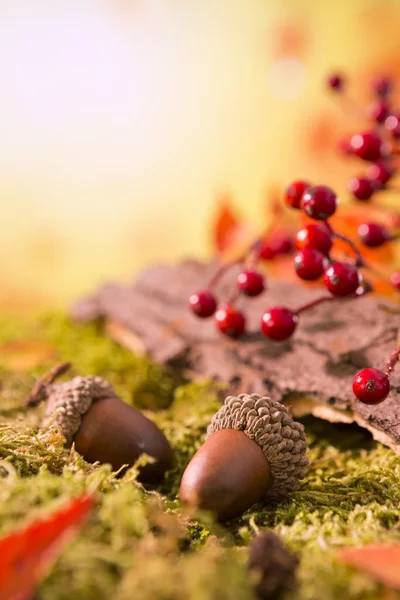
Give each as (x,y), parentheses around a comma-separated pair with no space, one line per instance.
(313,371)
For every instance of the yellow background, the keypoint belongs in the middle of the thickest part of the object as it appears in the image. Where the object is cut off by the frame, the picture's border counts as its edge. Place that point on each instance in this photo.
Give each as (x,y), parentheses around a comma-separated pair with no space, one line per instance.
(122,120)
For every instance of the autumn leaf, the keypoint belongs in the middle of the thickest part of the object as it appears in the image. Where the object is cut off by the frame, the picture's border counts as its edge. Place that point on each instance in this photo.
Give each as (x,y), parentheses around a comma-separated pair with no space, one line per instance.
(21,355)
(380,561)
(225,226)
(27,554)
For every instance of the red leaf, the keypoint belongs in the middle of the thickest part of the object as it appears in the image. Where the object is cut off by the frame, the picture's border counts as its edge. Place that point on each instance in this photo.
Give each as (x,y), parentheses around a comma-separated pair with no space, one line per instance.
(226,226)
(27,554)
(380,561)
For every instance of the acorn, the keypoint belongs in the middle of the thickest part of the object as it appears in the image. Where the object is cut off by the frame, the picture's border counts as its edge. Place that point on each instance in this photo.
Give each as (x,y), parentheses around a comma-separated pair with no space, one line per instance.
(254,449)
(103,428)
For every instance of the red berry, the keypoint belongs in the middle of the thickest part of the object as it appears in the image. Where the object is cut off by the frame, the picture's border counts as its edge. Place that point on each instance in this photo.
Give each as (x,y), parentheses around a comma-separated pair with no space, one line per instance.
(203,304)
(310,264)
(320,202)
(335,82)
(371,386)
(279,323)
(395,279)
(230,321)
(382,86)
(314,236)
(378,111)
(342,279)
(361,188)
(275,243)
(344,146)
(294,193)
(266,251)
(372,234)
(379,174)
(367,146)
(392,124)
(250,283)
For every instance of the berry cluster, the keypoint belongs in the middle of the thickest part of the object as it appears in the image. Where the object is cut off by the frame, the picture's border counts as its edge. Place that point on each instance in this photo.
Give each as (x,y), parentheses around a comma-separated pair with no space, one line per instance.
(377,147)
(313,243)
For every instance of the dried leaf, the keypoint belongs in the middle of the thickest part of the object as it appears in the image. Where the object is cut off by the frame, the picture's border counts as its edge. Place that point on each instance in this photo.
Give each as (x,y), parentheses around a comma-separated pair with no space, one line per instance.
(21,355)
(380,561)
(230,235)
(27,554)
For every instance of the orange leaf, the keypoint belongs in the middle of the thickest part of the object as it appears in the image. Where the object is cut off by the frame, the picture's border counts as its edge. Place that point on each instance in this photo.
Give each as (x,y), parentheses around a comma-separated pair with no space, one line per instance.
(20,355)
(380,561)
(28,553)
(225,227)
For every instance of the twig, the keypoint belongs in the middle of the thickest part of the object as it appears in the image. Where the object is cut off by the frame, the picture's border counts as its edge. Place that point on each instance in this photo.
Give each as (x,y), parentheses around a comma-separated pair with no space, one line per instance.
(38,392)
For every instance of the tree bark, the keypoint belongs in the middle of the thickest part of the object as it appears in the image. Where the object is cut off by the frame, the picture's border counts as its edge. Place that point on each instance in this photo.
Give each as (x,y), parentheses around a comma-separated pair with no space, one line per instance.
(313,371)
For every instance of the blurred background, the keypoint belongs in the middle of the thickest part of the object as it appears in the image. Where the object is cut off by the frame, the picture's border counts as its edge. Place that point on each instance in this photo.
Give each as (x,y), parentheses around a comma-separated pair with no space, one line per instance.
(125,122)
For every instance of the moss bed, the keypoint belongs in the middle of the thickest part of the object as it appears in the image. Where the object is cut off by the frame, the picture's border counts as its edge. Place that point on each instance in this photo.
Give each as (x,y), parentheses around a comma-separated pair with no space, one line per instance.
(140,543)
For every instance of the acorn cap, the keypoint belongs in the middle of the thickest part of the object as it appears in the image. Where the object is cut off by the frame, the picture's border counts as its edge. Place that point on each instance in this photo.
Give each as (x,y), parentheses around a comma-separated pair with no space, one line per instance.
(67,402)
(279,436)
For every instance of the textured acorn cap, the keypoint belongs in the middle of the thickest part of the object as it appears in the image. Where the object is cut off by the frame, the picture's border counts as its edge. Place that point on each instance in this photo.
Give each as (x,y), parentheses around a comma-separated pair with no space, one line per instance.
(67,402)
(279,436)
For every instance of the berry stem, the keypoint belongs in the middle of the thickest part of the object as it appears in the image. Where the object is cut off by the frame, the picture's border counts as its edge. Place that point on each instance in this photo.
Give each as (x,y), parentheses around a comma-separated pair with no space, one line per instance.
(395,357)
(348,103)
(364,290)
(251,255)
(339,236)
(222,271)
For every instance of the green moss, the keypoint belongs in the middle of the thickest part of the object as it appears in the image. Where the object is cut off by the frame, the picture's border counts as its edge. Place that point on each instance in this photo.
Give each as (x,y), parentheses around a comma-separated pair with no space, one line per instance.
(139,543)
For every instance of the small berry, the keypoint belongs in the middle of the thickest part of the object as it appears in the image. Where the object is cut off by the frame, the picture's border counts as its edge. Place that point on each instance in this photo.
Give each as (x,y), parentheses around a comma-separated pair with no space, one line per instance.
(282,243)
(361,188)
(279,323)
(276,242)
(395,279)
(344,146)
(372,234)
(378,111)
(310,264)
(342,279)
(294,193)
(320,202)
(392,124)
(382,86)
(379,174)
(371,386)
(314,236)
(203,304)
(266,251)
(367,146)
(251,283)
(230,321)
(336,82)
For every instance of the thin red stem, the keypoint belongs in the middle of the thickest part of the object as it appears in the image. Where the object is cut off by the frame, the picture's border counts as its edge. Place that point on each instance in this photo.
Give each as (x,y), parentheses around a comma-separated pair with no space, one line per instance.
(392,362)
(359,257)
(254,248)
(352,105)
(321,299)
(222,271)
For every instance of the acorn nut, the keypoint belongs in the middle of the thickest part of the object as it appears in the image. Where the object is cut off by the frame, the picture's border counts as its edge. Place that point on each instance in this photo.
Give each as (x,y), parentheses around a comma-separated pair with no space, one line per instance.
(102,426)
(254,449)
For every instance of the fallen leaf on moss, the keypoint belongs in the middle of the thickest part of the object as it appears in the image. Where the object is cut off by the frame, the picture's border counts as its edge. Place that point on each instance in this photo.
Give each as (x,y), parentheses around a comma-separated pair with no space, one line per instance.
(379,560)
(27,554)
(21,355)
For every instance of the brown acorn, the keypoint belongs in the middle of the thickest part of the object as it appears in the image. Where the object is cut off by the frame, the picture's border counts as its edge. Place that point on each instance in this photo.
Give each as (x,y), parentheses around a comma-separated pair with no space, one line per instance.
(254,449)
(102,426)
